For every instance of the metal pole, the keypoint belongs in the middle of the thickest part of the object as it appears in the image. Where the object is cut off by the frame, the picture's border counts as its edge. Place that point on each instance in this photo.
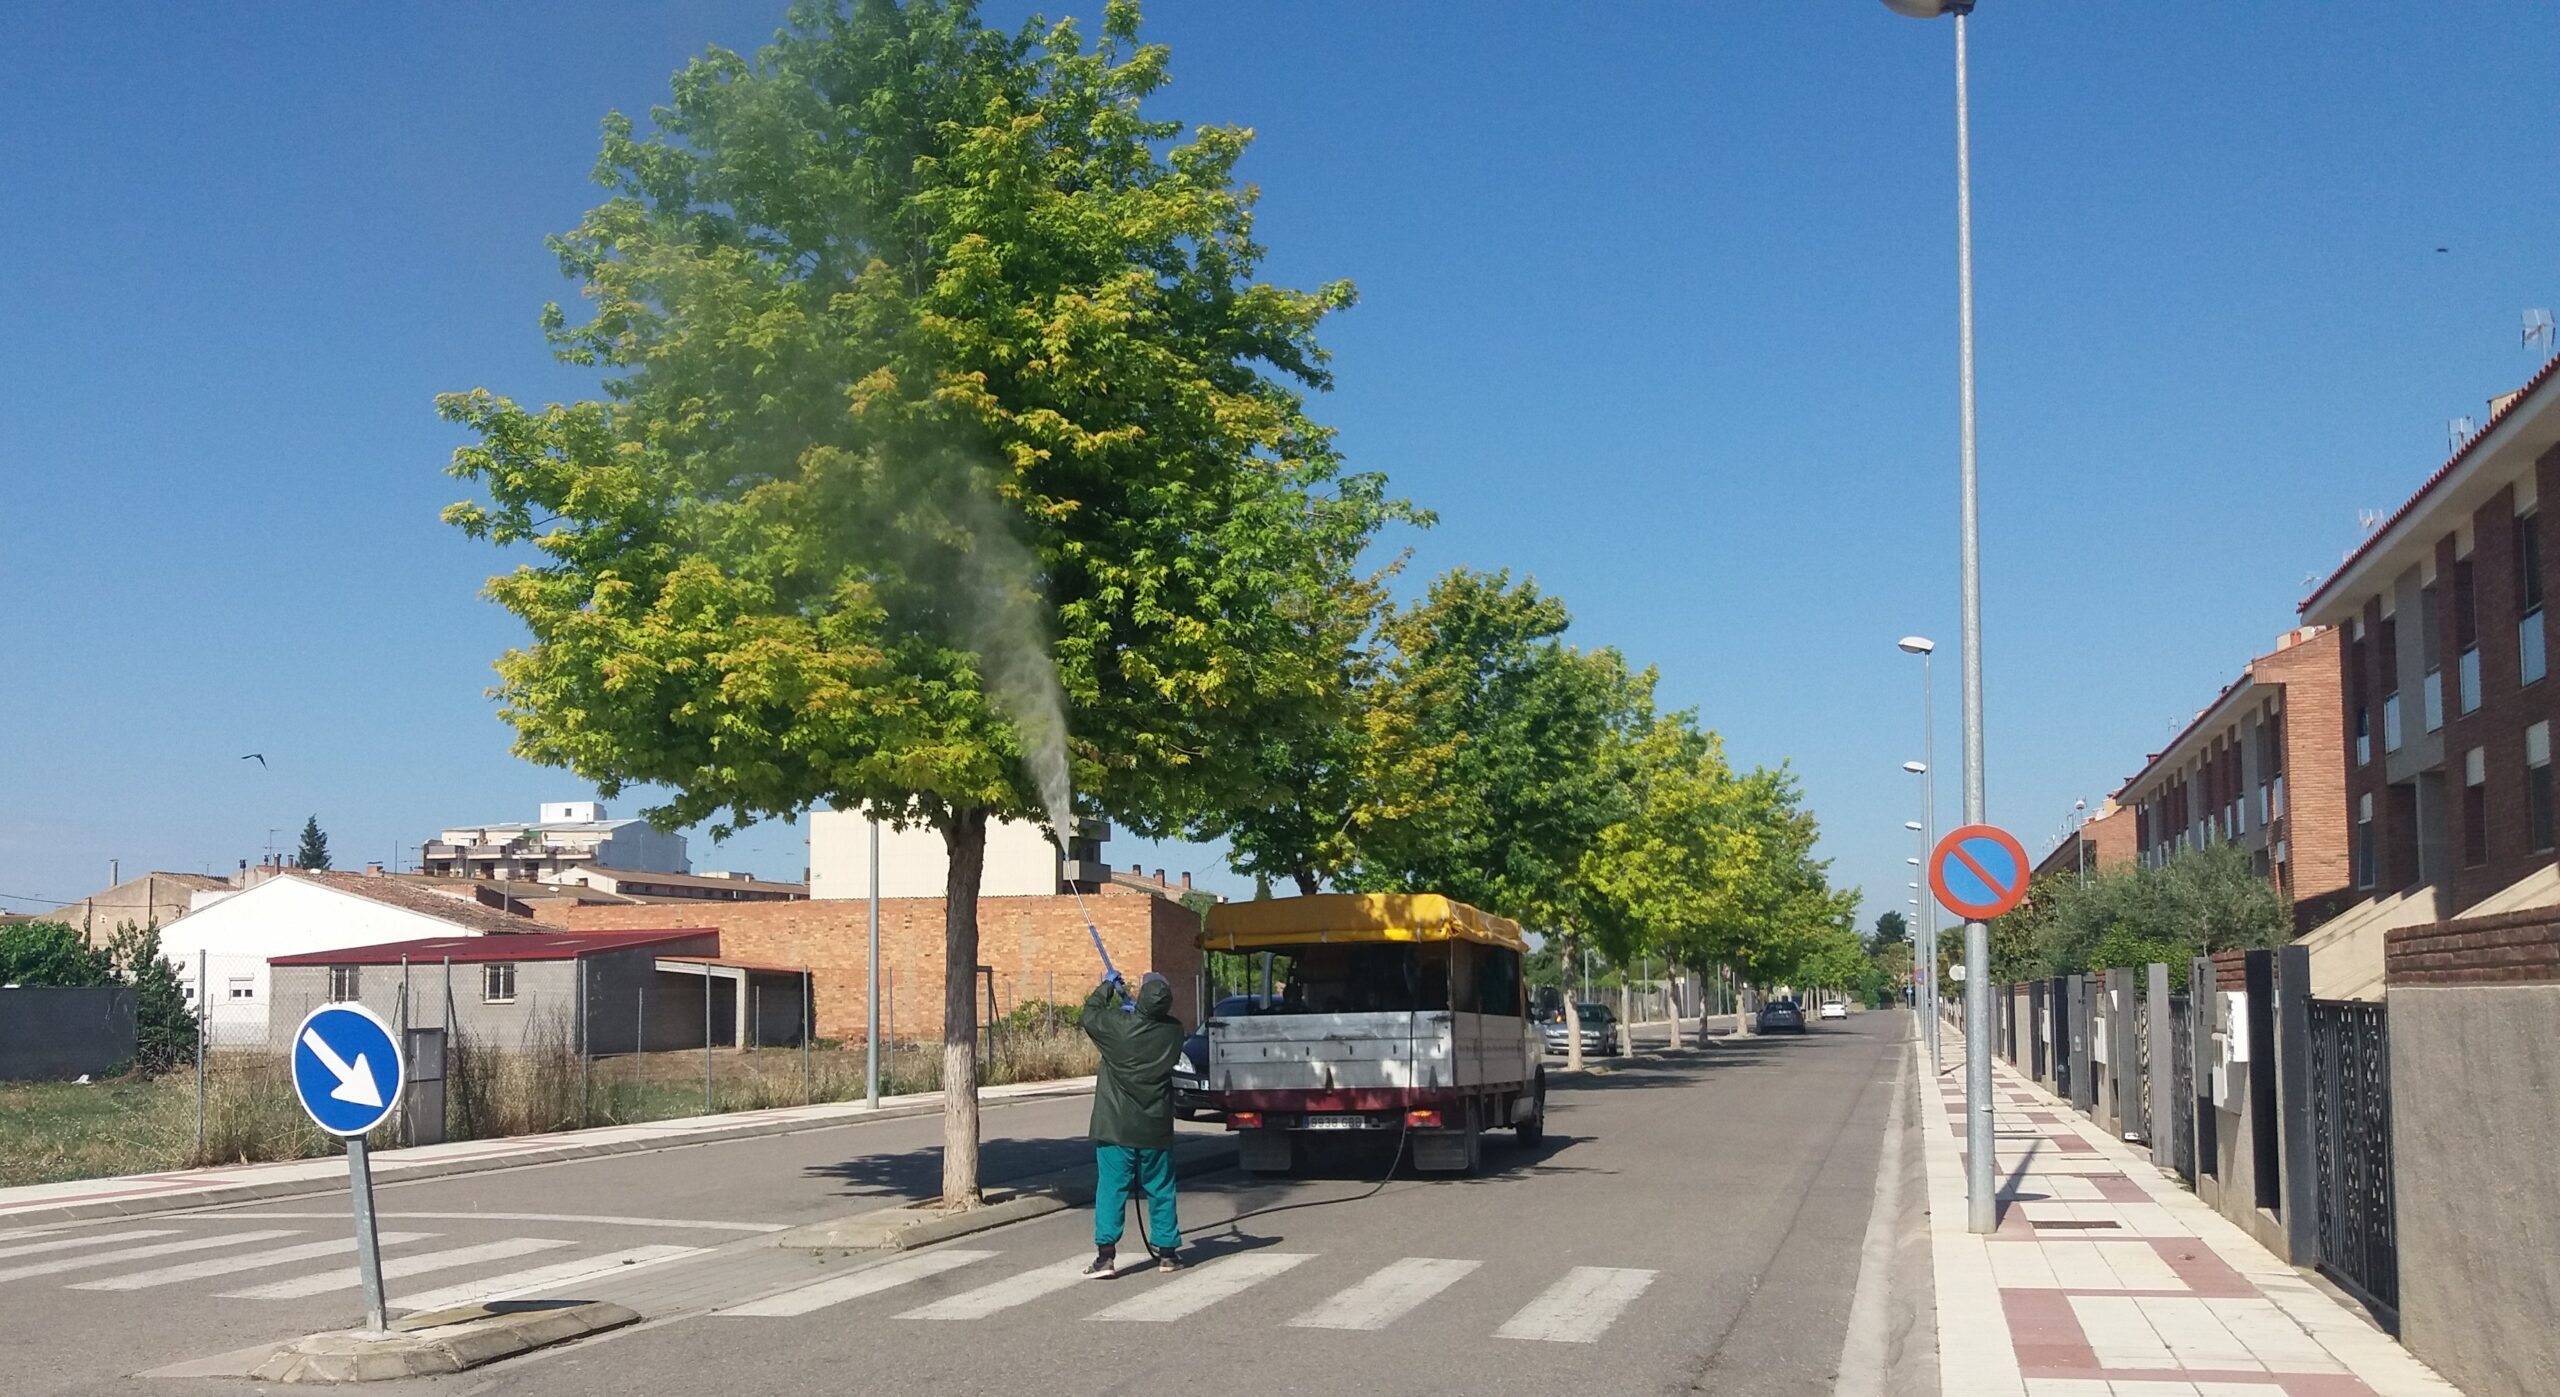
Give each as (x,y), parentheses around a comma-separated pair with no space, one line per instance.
(1929,841)
(204,1021)
(808,1015)
(706,1038)
(586,1050)
(368,1248)
(1982,1204)
(871,997)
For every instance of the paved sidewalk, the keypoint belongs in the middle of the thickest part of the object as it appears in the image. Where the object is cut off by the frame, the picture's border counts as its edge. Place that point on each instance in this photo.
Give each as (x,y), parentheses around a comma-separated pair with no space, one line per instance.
(36,1204)
(2107,1279)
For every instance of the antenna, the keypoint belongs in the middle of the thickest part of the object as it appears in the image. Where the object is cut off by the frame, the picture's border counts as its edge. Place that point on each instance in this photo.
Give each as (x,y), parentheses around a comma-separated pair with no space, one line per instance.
(2457,431)
(2537,329)
(2367,520)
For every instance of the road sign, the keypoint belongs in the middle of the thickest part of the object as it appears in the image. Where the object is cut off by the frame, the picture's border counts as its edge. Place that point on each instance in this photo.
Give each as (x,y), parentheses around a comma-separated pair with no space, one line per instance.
(346,1068)
(1978,872)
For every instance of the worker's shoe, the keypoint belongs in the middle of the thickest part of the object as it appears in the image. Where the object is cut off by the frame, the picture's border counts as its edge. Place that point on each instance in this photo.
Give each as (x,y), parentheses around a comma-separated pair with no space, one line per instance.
(1166,1262)
(1105,1265)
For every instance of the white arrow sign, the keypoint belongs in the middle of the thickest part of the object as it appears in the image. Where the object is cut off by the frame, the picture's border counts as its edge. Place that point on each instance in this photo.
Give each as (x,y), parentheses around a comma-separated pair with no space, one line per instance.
(355,1080)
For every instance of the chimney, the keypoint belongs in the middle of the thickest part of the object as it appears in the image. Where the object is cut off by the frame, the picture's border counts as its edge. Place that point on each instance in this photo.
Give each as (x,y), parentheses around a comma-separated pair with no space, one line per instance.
(1137,870)
(373,870)
(1186,880)
(1159,875)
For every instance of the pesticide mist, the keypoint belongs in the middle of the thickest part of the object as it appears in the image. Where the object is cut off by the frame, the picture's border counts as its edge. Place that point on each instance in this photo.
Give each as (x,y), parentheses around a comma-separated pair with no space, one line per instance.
(1008,630)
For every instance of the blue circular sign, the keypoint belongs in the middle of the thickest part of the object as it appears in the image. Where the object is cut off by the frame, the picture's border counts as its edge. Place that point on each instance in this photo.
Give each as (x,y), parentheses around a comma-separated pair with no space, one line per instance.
(347,1070)
(1978,872)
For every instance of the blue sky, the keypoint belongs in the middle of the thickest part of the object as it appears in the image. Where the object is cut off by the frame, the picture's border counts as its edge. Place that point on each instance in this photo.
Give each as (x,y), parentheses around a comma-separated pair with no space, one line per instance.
(1657,305)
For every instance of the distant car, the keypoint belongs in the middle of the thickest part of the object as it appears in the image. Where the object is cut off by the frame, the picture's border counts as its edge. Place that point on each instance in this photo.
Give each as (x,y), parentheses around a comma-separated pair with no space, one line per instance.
(1191,1070)
(1781,1014)
(1599,1030)
(1835,1009)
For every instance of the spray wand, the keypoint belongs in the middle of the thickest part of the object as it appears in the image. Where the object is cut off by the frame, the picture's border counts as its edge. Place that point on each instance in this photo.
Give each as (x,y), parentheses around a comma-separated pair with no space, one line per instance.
(1110,972)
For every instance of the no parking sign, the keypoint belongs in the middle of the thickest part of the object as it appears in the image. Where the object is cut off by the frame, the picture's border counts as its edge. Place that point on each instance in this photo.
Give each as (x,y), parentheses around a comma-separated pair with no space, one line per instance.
(1978,872)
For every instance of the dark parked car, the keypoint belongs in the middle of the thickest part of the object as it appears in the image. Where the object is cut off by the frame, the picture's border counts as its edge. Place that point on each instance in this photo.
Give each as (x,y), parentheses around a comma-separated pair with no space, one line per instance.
(1781,1014)
(1191,1074)
(1599,1030)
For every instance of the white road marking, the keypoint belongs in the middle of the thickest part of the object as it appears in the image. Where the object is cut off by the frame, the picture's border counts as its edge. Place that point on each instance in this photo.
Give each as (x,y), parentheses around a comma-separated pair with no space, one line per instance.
(516,1283)
(853,1287)
(109,1258)
(1579,1308)
(1192,1291)
(1386,1296)
(1006,1293)
(323,1282)
(607,1219)
(93,1239)
(251,1261)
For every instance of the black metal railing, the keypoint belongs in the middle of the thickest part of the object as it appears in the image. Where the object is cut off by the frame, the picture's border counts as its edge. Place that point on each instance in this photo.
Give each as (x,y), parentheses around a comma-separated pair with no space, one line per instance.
(2182,1089)
(2351,1149)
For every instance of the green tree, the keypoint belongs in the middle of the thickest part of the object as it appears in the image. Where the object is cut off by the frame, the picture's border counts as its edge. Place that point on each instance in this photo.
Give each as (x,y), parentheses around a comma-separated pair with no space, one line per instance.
(1890,927)
(164,1025)
(945,416)
(315,846)
(51,954)
(2197,902)
(1670,867)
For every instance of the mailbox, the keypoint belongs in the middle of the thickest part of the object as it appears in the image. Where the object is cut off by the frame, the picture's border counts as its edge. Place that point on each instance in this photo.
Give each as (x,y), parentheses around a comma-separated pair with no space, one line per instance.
(2230,1047)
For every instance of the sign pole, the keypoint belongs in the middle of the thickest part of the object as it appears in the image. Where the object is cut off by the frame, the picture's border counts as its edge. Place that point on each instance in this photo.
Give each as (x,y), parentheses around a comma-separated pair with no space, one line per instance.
(368,1247)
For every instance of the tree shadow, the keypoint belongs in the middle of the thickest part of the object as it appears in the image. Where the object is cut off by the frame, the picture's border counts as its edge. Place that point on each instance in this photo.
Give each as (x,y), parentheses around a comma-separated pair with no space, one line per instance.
(917,1173)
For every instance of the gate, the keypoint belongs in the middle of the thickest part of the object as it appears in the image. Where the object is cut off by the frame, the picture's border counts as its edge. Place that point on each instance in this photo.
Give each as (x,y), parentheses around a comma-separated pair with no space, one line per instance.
(2351,1149)
(2182,1089)
(2063,1058)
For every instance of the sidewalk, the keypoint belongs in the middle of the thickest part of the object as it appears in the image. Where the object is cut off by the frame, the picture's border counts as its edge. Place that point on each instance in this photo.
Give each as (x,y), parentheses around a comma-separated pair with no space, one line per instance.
(2107,1279)
(79,1199)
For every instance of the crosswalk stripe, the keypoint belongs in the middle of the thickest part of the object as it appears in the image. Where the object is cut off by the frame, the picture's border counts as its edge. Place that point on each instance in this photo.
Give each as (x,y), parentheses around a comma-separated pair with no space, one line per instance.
(1006,1293)
(93,1239)
(516,1283)
(821,1294)
(1579,1308)
(109,1258)
(323,1282)
(1198,1289)
(225,1265)
(1386,1296)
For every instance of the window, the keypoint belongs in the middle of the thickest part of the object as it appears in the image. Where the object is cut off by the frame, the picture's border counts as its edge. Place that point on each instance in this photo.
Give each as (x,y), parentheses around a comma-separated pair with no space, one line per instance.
(343,983)
(2537,785)
(243,987)
(498,982)
(2364,841)
(2467,677)
(2431,700)
(2475,808)
(2391,721)
(2466,634)
(2364,735)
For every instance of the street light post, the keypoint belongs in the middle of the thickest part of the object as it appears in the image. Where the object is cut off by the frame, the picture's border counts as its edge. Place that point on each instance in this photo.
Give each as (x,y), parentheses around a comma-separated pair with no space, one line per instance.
(1927,768)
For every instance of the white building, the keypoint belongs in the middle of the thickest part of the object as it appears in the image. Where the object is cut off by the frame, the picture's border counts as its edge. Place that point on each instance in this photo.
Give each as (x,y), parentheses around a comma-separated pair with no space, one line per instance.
(1020,861)
(230,935)
(707,886)
(571,834)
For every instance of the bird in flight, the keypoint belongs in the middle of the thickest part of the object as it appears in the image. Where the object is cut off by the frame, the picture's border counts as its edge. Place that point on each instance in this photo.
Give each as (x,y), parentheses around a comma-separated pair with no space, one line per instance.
(259,757)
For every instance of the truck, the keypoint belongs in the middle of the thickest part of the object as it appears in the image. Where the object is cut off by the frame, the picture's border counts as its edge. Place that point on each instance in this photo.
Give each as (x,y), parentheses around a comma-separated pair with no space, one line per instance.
(1397,1013)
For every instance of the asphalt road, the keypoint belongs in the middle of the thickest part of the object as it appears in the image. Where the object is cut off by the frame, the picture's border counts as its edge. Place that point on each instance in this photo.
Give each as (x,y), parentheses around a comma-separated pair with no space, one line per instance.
(1690,1221)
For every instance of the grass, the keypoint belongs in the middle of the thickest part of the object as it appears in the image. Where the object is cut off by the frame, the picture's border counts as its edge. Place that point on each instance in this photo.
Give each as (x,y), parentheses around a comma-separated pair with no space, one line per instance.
(56,1131)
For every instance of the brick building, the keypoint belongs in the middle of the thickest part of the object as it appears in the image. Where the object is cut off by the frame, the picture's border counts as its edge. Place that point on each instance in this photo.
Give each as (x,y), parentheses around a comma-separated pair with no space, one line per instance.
(2261,767)
(2102,841)
(1037,948)
(2445,697)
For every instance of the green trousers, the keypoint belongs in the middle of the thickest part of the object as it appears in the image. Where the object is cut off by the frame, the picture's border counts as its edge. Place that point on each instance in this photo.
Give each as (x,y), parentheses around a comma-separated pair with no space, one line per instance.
(1120,1172)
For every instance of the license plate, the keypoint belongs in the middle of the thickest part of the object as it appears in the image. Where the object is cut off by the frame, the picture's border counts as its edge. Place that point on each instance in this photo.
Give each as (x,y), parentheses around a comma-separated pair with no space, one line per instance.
(1337,1123)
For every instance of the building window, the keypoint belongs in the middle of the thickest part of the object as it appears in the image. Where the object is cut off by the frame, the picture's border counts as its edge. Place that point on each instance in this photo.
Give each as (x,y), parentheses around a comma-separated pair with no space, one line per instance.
(2475,808)
(2364,735)
(2537,785)
(2467,673)
(2364,841)
(343,983)
(2431,699)
(498,982)
(243,987)
(2391,721)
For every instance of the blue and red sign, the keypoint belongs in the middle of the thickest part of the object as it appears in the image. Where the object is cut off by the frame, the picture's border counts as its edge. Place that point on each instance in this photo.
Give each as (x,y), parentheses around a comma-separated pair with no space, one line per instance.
(1978,872)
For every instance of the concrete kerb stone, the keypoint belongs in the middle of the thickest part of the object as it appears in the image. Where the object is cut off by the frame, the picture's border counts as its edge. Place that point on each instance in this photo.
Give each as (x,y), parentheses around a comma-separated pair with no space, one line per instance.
(913,1225)
(387,1171)
(448,1341)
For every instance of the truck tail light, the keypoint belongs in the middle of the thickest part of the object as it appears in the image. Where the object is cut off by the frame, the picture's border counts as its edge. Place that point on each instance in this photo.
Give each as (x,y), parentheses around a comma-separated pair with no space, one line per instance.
(1422,1120)
(1244,1120)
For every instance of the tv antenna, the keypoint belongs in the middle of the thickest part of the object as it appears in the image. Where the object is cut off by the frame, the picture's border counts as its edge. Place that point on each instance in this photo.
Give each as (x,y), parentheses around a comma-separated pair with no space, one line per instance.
(2537,330)
(2457,431)
(2367,520)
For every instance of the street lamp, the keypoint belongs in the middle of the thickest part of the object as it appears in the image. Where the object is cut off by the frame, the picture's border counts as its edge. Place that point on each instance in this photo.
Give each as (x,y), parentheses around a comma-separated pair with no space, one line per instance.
(1981,1204)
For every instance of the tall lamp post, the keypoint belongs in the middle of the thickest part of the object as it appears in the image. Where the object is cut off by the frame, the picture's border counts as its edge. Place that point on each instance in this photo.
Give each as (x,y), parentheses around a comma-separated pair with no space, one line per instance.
(1919,909)
(1981,1204)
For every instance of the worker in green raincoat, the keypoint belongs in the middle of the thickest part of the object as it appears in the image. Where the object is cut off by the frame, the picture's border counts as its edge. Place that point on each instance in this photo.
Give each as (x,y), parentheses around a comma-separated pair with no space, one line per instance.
(1133,1118)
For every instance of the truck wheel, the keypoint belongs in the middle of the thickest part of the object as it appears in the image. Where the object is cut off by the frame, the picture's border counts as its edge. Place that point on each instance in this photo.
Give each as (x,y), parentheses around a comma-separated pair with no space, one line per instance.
(1474,1139)
(1534,1129)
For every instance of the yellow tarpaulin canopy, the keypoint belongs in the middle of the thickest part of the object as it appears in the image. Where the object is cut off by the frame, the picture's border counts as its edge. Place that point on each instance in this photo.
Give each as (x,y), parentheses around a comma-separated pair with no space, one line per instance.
(1335,917)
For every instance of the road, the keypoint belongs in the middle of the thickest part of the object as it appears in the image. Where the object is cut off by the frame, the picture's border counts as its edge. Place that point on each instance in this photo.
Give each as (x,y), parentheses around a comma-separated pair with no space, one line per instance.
(1689,1221)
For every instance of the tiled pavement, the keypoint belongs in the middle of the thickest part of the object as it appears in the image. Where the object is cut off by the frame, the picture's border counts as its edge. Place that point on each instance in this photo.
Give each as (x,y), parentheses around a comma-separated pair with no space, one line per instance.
(2107,1279)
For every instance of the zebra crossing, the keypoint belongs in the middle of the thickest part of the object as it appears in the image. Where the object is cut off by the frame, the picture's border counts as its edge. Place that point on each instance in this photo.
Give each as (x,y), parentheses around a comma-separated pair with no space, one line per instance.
(153,1258)
(1577,1309)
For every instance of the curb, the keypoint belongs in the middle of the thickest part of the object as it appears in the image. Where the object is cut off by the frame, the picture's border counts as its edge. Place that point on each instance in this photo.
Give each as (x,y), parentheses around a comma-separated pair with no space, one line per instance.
(909,1226)
(391,1172)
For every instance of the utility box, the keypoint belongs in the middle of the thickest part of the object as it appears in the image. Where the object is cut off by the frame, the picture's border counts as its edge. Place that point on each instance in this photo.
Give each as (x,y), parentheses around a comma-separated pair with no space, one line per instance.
(422,1102)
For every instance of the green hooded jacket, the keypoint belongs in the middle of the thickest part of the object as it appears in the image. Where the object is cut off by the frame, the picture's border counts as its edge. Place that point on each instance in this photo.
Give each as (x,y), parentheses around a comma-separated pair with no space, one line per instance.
(1133,1094)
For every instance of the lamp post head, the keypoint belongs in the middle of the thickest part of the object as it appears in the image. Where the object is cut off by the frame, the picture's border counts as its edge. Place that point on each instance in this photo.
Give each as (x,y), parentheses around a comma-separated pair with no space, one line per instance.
(1916,645)
(1912,825)
(1915,768)
(1929,9)
(1915,863)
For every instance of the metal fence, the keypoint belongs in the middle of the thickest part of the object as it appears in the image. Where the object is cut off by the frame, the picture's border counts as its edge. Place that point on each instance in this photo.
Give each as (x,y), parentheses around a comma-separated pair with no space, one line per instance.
(2350,1120)
(2182,1087)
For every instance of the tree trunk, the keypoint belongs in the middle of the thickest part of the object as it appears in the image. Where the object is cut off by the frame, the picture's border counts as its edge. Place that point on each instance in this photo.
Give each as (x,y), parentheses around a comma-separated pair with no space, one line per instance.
(1572,1014)
(1671,996)
(1626,1015)
(965,838)
(1306,883)
(1741,1007)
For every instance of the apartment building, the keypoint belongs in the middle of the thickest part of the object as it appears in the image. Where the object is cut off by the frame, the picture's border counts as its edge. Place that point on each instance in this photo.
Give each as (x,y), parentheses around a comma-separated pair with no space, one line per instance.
(569,835)
(2445,690)
(2263,767)
(2101,841)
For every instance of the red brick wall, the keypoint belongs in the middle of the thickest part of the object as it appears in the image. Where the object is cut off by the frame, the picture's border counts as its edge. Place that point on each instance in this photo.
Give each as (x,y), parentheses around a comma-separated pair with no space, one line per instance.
(1037,945)
(2519,948)
(2317,820)
(2506,706)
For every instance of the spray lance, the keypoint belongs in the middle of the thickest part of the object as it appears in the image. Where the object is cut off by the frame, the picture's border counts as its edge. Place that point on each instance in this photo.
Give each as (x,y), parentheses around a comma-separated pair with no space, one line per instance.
(1110,972)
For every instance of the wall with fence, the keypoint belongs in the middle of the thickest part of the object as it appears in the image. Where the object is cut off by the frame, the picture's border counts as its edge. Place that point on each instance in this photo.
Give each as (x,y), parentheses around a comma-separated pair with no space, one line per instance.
(53,1034)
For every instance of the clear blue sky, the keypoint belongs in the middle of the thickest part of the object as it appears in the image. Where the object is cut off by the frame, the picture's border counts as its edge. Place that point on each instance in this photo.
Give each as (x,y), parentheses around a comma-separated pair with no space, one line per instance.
(1657,305)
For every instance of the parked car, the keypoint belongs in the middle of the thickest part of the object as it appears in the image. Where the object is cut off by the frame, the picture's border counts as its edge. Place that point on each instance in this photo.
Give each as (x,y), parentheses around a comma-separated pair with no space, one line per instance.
(1599,1030)
(1780,1014)
(1835,1009)
(1191,1071)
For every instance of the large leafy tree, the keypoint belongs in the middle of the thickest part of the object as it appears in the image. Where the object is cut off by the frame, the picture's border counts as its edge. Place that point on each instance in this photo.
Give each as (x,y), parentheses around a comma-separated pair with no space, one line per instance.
(52,954)
(945,415)
(1669,867)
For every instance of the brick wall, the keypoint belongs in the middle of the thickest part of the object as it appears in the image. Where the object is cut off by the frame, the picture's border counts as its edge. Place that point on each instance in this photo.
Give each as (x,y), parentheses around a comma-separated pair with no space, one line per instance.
(2507,706)
(1037,946)
(2316,823)
(2518,948)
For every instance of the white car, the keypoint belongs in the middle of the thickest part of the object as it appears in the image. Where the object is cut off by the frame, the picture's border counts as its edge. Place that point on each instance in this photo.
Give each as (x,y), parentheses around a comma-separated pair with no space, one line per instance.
(1834,1010)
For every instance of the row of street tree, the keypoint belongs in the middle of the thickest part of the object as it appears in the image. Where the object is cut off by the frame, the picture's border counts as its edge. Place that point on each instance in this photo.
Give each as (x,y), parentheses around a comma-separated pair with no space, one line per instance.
(952,461)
